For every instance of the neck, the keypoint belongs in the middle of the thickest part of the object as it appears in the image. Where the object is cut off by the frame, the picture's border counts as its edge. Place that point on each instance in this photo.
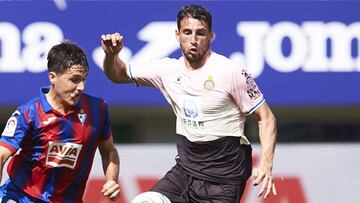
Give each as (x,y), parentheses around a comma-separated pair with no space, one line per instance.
(56,103)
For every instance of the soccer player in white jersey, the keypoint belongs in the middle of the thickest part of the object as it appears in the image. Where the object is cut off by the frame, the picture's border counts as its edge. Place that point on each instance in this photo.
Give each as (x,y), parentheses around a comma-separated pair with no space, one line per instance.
(211,96)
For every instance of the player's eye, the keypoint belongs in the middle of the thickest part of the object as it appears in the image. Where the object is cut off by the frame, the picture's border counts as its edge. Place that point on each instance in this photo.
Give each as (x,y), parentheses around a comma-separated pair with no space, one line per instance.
(187,32)
(201,32)
(76,80)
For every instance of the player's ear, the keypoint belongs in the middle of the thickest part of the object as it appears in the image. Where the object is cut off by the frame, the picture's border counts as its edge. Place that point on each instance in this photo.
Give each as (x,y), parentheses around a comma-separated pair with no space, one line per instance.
(52,77)
(212,36)
(177,35)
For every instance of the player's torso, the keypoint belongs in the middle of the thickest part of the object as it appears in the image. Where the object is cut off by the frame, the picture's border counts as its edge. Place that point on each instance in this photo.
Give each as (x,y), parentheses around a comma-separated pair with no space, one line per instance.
(57,152)
(65,137)
(58,140)
(202,101)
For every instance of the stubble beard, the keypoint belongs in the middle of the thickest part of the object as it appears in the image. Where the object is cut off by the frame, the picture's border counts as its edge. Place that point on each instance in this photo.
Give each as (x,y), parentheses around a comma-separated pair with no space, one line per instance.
(195,58)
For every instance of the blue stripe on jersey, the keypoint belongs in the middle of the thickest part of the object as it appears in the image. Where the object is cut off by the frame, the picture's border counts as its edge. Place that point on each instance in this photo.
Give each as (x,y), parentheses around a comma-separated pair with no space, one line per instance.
(255,107)
(131,77)
(93,112)
(106,125)
(20,114)
(49,187)
(68,134)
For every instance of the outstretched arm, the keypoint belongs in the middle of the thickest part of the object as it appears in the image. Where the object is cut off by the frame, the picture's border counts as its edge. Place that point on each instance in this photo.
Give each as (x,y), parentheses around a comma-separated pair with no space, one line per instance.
(114,67)
(267,133)
(111,164)
(5,153)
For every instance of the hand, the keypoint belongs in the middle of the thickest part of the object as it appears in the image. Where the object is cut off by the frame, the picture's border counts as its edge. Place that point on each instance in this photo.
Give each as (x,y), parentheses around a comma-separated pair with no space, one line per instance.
(112,43)
(111,189)
(264,177)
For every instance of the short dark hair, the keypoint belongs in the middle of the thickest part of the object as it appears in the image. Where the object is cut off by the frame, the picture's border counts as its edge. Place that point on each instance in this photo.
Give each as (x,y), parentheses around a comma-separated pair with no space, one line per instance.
(197,12)
(65,55)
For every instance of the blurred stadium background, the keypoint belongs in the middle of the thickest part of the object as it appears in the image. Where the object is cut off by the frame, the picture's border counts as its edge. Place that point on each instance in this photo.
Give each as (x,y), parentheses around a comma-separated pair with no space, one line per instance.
(303,54)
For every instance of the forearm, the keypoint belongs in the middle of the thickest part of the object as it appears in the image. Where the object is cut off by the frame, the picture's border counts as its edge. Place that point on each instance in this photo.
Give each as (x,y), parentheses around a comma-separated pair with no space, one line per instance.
(267,134)
(4,156)
(2,162)
(111,165)
(115,69)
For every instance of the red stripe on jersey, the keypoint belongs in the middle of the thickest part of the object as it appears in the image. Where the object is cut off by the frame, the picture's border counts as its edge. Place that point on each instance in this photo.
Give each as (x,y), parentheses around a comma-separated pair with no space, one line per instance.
(9,147)
(67,161)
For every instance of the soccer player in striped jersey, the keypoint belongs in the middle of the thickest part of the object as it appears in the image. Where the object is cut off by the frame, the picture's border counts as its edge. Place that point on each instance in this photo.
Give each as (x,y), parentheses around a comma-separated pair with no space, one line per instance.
(211,96)
(56,136)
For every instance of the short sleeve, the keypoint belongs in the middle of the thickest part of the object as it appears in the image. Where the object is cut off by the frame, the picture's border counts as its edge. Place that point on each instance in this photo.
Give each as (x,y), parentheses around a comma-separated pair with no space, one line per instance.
(15,130)
(149,73)
(106,123)
(245,91)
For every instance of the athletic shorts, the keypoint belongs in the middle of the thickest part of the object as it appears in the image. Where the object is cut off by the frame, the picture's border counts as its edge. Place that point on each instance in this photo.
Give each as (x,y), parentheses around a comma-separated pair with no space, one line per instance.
(9,193)
(180,187)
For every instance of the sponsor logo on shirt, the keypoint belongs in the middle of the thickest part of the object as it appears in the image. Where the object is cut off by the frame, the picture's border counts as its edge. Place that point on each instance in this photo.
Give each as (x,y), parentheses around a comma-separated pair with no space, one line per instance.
(63,154)
(10,127)
(190,109)
(251,87)
(193,124)
(192,116)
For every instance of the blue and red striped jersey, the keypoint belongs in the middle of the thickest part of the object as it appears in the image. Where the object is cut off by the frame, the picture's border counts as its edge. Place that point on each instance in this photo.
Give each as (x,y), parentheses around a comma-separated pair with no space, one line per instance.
(57,150)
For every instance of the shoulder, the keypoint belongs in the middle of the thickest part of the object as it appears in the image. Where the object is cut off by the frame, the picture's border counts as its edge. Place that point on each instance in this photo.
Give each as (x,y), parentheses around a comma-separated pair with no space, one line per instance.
(167,62)
(225,62)
(155,62)
(226,66)
(27,111)
(30,105)
(165,66)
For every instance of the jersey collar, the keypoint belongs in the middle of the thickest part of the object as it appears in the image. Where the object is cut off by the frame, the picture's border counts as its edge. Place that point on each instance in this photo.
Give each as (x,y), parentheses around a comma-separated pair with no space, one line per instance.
(45,104)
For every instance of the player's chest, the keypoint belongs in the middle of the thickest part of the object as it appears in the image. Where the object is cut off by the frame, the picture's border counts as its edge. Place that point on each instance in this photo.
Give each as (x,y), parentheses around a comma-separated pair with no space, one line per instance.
(197,82)
(205,91)
(75,128)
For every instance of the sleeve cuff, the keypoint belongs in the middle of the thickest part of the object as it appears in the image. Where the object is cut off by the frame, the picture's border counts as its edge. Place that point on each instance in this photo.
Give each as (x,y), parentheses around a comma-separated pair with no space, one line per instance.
(255,107)
(8,146)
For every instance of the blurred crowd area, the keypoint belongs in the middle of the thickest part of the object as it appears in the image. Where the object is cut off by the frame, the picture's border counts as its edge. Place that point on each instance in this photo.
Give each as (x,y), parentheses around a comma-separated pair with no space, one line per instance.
(295,124)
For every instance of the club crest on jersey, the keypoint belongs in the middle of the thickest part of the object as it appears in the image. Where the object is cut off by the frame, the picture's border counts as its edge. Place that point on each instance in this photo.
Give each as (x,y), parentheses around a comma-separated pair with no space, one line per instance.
(209,84)
(82,116)
(63,154)
(10,127)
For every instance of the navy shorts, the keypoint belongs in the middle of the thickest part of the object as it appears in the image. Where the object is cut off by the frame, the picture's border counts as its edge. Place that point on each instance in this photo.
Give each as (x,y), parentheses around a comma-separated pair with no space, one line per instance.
(180,187)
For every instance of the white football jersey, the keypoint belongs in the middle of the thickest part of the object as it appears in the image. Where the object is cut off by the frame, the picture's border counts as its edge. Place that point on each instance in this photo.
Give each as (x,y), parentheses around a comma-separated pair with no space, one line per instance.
(210,102)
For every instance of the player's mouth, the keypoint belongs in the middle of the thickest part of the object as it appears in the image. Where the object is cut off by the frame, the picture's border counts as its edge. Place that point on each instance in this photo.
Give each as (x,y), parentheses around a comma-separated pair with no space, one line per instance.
(74,96)
(193,50)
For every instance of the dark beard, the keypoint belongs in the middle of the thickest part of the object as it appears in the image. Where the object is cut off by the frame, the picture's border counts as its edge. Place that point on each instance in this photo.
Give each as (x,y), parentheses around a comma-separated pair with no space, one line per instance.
(194,58)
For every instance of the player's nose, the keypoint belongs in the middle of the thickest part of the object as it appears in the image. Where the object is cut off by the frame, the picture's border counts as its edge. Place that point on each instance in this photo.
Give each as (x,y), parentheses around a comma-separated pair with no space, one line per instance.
(81,86)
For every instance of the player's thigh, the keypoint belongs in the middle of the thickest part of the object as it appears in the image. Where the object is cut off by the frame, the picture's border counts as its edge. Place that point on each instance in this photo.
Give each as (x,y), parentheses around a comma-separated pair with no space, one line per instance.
(209,192)
(172,184)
